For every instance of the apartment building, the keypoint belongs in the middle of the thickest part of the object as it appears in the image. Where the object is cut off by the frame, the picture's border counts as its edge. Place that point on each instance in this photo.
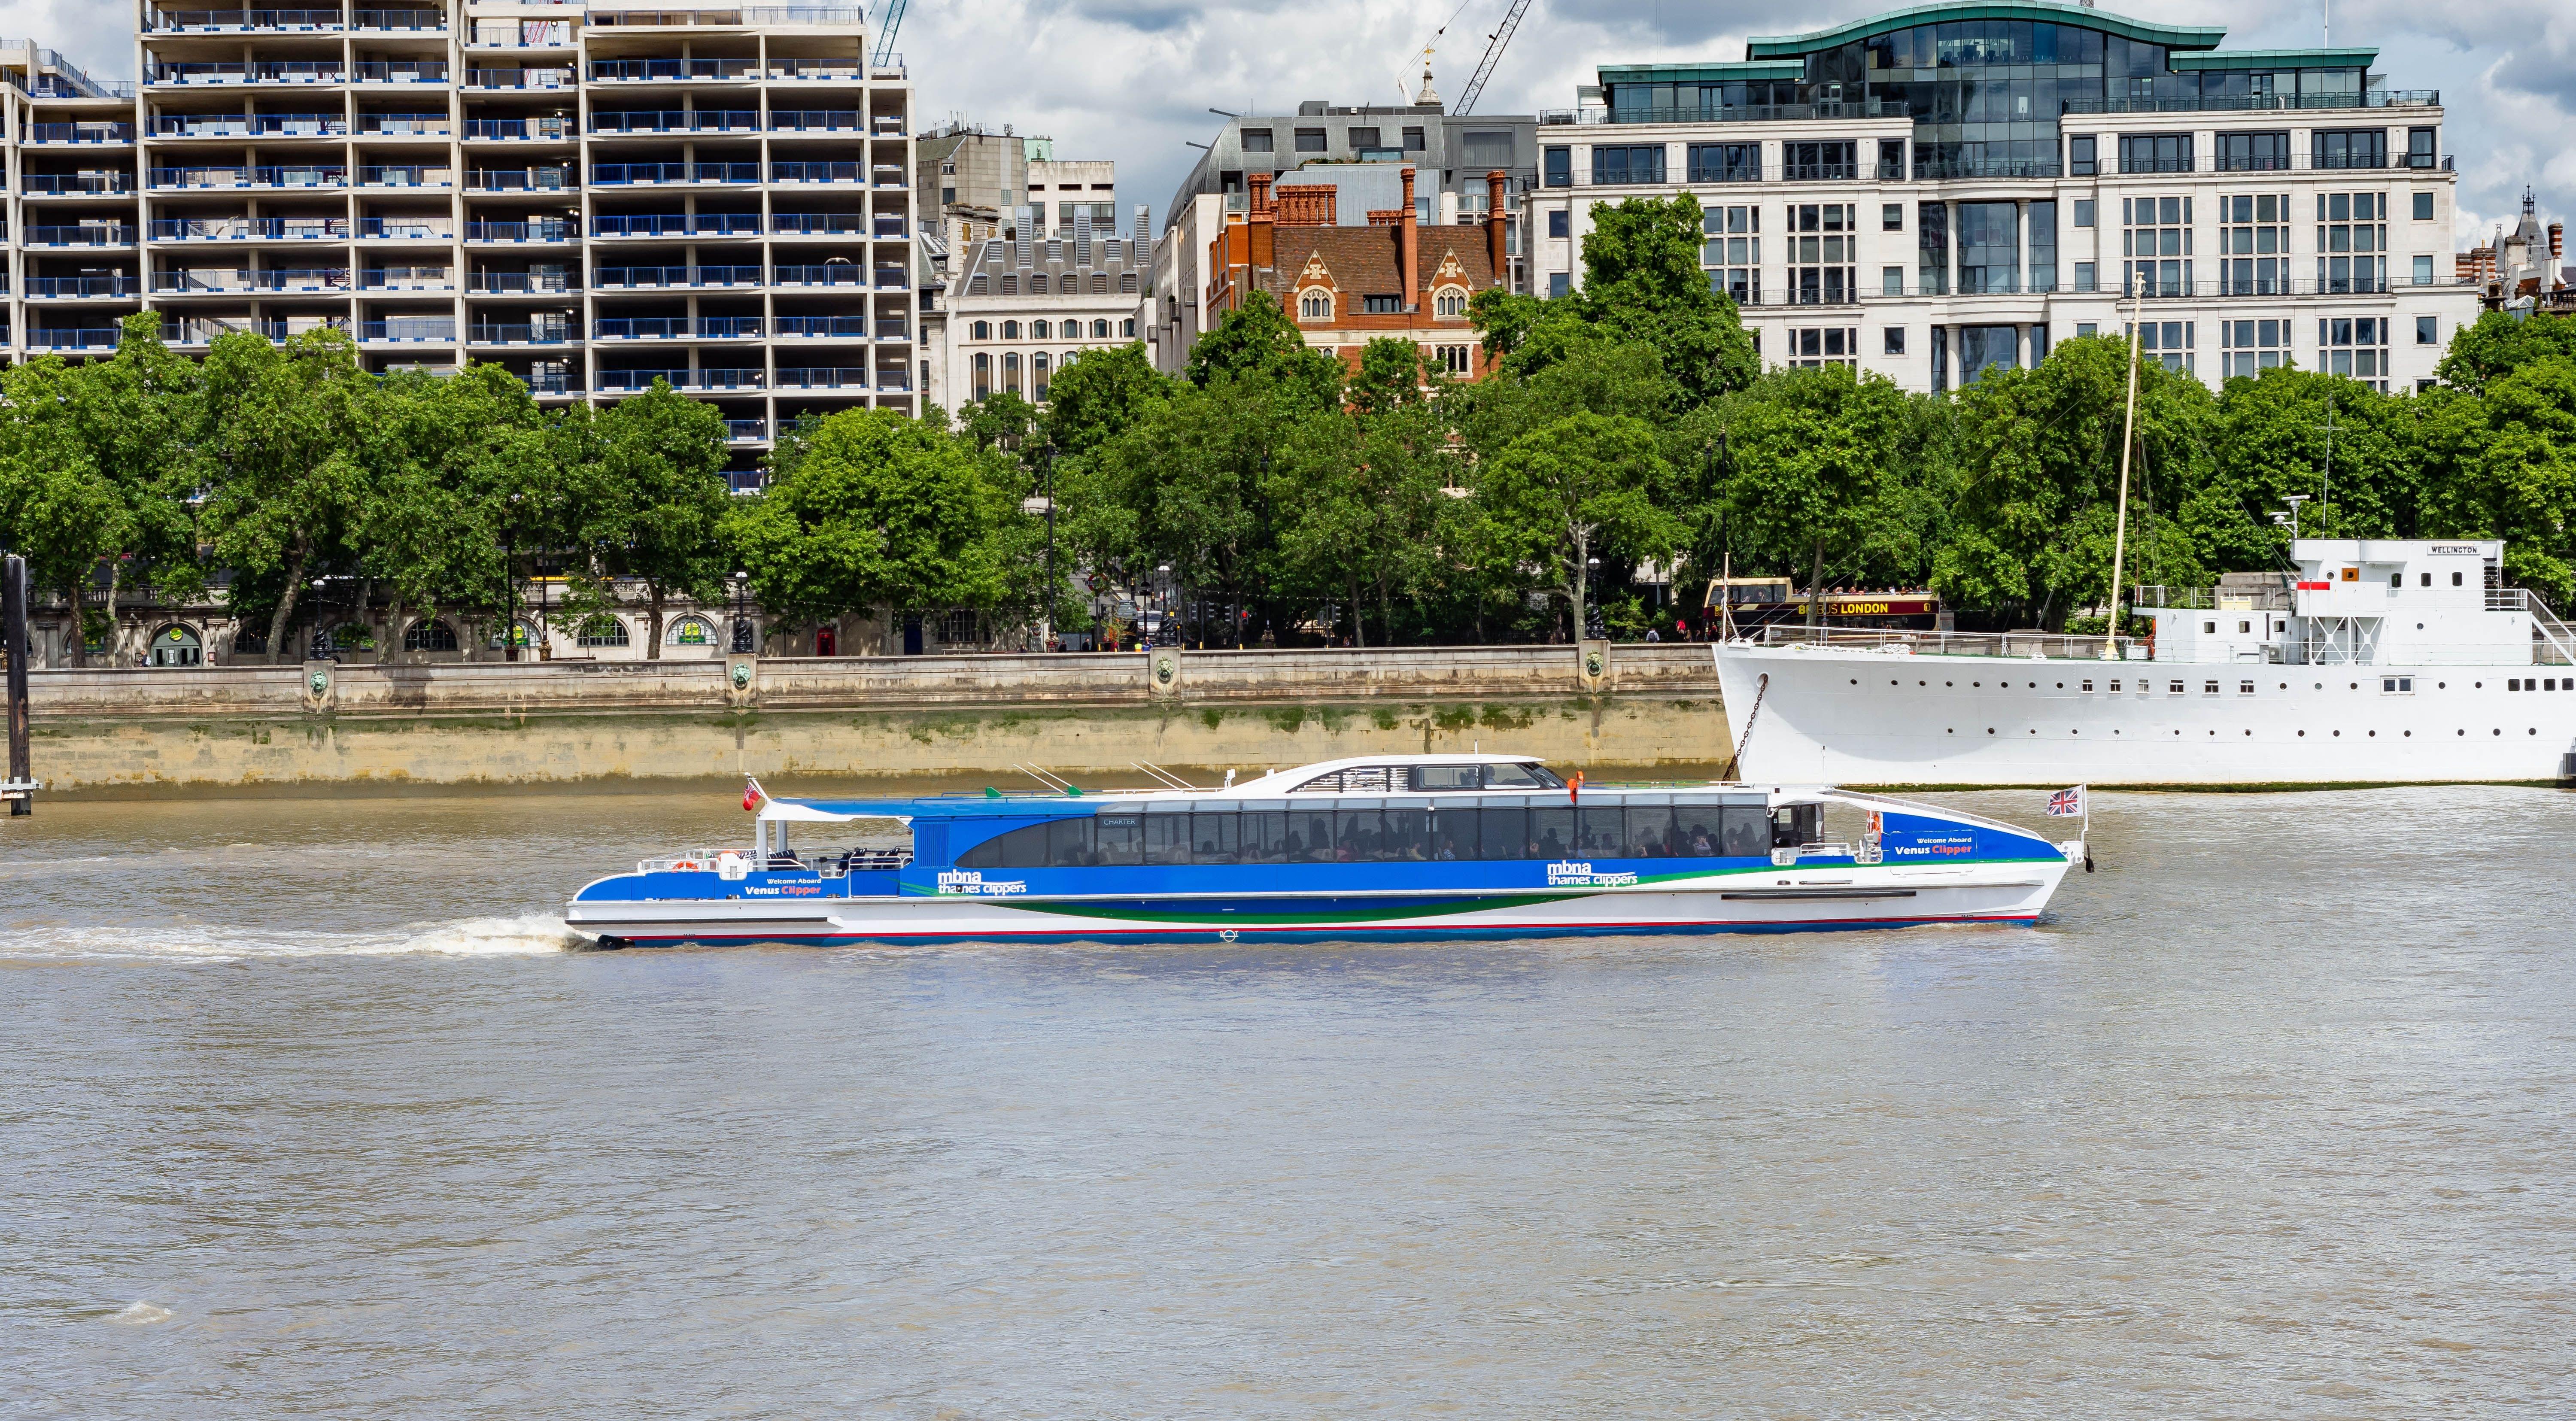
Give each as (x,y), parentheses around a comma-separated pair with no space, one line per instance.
(1935,191)
(1451,154)
(593,198)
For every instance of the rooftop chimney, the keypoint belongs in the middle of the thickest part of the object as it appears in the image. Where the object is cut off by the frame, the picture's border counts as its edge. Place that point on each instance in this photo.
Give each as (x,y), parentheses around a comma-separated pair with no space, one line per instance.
(1411,249)
(1495,217)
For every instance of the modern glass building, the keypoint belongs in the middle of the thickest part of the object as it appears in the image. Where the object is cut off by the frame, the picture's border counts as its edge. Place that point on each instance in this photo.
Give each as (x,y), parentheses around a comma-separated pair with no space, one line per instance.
(1933,191)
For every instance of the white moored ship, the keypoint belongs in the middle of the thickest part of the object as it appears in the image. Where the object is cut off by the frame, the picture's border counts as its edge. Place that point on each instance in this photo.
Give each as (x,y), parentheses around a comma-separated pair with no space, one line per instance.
(2376,661)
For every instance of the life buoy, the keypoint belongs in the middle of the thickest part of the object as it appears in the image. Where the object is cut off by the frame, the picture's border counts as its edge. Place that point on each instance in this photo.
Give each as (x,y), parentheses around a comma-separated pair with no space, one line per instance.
(685,866)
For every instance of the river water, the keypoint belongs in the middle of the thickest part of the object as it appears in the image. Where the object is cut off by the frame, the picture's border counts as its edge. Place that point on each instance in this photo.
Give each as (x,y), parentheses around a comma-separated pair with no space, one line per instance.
(307,1110)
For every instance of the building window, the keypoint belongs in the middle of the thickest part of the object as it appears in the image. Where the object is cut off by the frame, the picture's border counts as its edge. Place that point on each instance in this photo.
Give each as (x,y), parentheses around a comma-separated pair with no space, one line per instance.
(2156,236)
(1725,162)
(1100,330)
(2251,261)
(1733,252)
(690,631)
(1310,140)
(1983,348)
(1989,248)
(1891,217)
(1831,345)
(2351,148)
(1038,376)
(1011,372)
(419,636)
(2083,212)
(1560,223)
(2423,271)
(1627,165)
(2084,276)
(1891,160)
(2248,346)
(1259,140)
(1894,340)
(1362,138)
(1821,253)
(983,376)
(1038,330)
(2423,207)
(1819,162)
(2168,343)
(1558,283)
(1558,165)
(947,195)
(2080,159)
(1382,305)
(1891,281)
(1453,358)
(2084,330)
(2155,153)
(1314,305)
(1010,330)
(983,330)
(2428,330)
(1932,249)
(1038,284)
(2254,152)
(2419,154)
(602,630)
(2351,222)
(1129,328)
(2043,246)
(1415,140)
(2354,346)
(1449,303)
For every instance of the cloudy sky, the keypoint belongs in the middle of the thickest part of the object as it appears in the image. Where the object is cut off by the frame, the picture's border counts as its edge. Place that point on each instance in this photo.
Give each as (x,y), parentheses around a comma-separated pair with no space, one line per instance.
(1133,79)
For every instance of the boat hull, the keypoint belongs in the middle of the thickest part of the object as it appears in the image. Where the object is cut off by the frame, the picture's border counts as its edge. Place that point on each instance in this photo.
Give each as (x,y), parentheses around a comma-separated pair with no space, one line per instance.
(1861,716)
(1763,900)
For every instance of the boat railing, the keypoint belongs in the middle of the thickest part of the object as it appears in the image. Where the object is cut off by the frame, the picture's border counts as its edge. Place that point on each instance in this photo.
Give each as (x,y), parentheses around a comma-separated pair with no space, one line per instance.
(2553,641)
(2031,645)
(830,863)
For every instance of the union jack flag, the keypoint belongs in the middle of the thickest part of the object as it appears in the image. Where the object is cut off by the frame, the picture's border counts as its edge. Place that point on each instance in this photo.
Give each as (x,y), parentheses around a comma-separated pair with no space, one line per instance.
(2067,802)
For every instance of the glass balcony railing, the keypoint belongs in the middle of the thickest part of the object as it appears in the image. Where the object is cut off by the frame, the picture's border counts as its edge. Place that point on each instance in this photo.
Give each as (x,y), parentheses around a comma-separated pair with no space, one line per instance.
(72,338)
(826,377)
(406,175)
(73,287)
(101,132)
(826,274)
(267,125)
(435,329)
(518,78)
(532,129)
(405,125)
(827,327)
(249,229)
(620,70)
(86,234)
(657,278)
(630,380)
(705,224)
(814,172)
(607,174)
(553,229)
(676,328)
(407,278)
(743,431)
(405,229)
(524,283)
(293,71)
(402,71)
(205,330)
(675,121)
(404,21)
(76,184)
(217,21)
(284,176)
(819,224)
(549,179)
(530,333)
(815,120)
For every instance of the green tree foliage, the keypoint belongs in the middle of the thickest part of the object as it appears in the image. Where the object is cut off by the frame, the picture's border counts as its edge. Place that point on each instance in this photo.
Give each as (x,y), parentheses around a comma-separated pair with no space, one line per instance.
(662,499)
(880,511)
(1567,492)
(1257,341)
(1807,459)
(427,528)
(1642,283)
(1099,395)
(1365,505)
(2502,464)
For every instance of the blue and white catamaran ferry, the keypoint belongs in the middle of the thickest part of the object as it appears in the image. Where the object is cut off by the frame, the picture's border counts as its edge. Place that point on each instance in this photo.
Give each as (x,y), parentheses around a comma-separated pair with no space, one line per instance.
(1419,846)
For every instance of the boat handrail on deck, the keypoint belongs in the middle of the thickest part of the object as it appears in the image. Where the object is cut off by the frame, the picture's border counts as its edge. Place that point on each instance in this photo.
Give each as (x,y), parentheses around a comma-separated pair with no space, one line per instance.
(2026,645)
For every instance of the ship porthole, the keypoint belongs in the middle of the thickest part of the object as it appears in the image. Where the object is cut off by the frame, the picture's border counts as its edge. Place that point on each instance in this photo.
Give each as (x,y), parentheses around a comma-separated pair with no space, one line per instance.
(2408,734)
(2464,732)
(2303,735)
(2374,735)
(2499,732)
(2338,735)
(2249,732)
(2535,730)
(1855,680)
(2285,685)
(1949,683)
(1990,730)
(2441,685)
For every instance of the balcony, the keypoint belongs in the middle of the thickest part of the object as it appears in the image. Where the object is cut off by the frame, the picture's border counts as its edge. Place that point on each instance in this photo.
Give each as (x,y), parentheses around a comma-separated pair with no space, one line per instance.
(1934,169)
(325,281)
(676,328)
(521,283)
(550,229)
(82,338)
(548,179)
(402,71)
(87,234)
(85,133)
(819,224)
(405,229)
(815,120)
(267,125)
(733,18)
(706,224)
(531,130)
(532,333)
(648,174)
(401,175)
(667,278)
(828,327)
(814,172)
(627,381)
(676,121)
(1748,113)
(746,431)
(827,274)
(315,176)
(298,71)
(409,330)
(518,79)
(249,229)
(431,279)
(205,330)
(815,69)
(102,184)
(426,22)
(826,377)
(404,125)
(76,288)
(241,21)
(2260,103)
(614,71)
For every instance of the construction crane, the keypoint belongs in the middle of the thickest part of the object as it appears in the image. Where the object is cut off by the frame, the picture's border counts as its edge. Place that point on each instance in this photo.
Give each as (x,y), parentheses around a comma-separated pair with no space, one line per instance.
(1494,43)
(885,36)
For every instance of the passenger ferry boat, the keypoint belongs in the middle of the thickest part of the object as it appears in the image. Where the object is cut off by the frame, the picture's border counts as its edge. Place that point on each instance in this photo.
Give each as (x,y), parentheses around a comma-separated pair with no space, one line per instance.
(2375,661)
(1421,846)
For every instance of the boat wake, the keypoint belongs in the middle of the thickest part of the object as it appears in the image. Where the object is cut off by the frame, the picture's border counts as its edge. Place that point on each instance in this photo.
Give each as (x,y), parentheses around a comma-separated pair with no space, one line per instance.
(531,935)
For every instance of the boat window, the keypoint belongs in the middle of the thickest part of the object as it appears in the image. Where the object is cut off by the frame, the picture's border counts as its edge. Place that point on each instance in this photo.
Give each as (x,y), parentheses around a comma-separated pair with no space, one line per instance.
(1020,848)
(1167,838)
(1502,831)
(2115,688)
(1650,831)
(1551,833)
(1520,776)
(2089,686)
(1444,777)
(2209,688)
(1217,838)
(2173,688)
(1373,779)
(1748,832)
(1795,824)
(1310,836)
(1069,843)
(2244,688)
(1601,830)
(1265,836)
(1321,784)
(1120,839)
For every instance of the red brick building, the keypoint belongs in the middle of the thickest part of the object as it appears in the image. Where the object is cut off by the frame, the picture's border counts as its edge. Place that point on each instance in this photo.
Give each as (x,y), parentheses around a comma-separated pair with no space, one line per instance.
(1346,286)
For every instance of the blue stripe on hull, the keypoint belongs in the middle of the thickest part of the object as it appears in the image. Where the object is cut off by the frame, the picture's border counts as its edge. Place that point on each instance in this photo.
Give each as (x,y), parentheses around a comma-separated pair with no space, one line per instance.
(1091,932)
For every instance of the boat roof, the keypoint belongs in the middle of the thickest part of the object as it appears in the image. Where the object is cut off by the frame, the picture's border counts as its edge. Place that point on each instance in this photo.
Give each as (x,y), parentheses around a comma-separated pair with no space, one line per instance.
(993,803)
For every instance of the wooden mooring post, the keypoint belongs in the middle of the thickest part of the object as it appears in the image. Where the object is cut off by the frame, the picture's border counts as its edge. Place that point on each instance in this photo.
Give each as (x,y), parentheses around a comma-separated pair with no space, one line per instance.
(20,789)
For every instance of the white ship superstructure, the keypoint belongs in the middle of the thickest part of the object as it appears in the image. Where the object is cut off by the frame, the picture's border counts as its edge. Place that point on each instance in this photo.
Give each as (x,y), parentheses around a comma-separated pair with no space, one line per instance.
(2380,661)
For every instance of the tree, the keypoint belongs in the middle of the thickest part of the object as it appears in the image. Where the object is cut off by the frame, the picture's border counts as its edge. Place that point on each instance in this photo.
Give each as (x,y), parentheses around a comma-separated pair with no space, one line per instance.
(2274,436)
(1183,487)
(880,511)
(1099,395)
(1363,502)
(287,438)
(1809,451)
(1256,339)
(999,420)
(428,525)
(2498,344)
(664,498)
(1579,486)
(2502,464)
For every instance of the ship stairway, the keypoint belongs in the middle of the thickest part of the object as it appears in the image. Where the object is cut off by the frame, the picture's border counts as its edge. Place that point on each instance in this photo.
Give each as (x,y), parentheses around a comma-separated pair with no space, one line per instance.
(2551,632)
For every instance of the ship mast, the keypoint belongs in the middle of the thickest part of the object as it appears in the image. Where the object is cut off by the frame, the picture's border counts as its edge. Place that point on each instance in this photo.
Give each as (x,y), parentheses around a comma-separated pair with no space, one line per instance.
(2128,441)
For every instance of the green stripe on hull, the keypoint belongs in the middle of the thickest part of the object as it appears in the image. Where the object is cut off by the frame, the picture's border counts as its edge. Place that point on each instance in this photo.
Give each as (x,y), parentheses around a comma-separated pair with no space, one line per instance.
(1365,915)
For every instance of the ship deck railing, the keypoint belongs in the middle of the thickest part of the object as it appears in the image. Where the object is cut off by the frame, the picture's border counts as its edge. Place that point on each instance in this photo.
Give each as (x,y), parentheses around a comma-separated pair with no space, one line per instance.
(2049,646)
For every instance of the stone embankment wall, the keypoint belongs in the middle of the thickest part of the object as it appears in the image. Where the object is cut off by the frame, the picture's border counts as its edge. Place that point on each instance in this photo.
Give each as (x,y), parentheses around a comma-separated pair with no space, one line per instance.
(324,724)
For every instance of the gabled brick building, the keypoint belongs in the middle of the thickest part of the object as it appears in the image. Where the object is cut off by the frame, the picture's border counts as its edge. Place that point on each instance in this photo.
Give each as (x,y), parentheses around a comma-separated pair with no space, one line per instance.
(1346,285)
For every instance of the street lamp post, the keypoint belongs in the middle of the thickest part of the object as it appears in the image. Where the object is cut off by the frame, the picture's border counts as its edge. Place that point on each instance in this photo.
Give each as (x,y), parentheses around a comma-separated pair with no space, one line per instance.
(742,639)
